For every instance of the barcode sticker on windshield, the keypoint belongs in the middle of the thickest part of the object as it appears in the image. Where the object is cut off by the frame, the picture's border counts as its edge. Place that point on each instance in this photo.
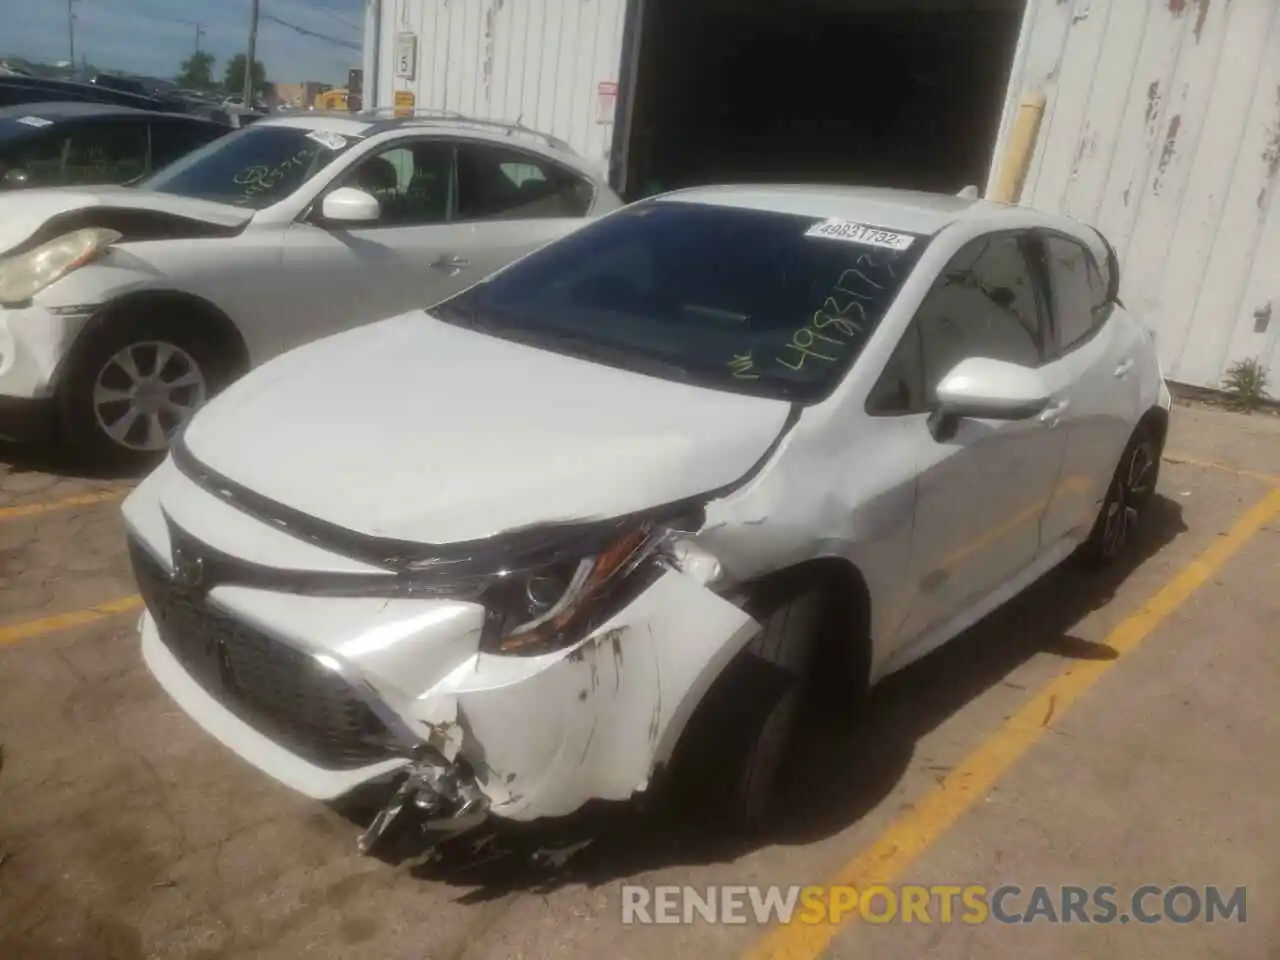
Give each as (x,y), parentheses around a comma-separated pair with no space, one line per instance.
(327,138)
(860,233)
(35,121)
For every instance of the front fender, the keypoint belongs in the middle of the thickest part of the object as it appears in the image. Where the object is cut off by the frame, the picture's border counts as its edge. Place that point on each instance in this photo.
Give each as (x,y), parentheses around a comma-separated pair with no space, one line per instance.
(546,734)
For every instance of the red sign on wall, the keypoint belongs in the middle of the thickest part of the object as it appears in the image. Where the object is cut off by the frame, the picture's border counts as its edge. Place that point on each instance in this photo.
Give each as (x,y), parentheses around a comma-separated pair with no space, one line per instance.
(606,101)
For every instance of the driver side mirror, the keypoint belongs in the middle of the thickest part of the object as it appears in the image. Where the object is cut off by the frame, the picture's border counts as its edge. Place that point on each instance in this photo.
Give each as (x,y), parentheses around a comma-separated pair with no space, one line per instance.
(349,205)
(986,389)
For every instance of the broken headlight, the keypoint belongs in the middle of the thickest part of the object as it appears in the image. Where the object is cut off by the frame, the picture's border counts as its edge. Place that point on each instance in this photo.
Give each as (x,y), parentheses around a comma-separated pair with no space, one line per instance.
(549,607)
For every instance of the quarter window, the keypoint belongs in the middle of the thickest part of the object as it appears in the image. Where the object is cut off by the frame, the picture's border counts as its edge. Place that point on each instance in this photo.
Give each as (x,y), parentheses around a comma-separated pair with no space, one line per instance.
(1078,291)
(900,389)
(498,183)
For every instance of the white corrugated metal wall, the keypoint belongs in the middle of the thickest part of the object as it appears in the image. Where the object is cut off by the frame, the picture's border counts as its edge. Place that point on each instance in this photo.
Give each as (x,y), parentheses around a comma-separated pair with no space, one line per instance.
(1163,128)
(539,61)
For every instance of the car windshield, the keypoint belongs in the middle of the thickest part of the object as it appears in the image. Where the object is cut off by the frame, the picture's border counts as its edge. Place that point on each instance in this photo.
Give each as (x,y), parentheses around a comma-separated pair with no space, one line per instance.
(751,301)
(255,167)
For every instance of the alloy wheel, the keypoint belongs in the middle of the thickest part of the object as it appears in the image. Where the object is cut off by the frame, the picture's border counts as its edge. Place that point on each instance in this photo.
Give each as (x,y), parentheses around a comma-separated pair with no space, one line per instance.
(1130,490)
(146,392)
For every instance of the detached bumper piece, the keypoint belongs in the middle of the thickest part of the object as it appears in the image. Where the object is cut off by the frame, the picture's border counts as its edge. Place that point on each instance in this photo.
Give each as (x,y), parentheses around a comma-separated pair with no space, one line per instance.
(438,799)
(285,693)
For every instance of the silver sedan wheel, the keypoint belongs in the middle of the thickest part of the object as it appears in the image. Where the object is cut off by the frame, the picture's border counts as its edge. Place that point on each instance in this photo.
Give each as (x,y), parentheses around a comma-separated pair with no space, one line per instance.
(146,392)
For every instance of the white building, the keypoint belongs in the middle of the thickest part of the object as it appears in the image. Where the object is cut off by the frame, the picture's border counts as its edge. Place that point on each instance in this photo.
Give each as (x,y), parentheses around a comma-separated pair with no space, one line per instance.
(1162,123)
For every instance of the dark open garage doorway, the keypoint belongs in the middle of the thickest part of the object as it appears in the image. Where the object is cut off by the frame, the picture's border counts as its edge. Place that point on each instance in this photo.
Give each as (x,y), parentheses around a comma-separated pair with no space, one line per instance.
(904,93)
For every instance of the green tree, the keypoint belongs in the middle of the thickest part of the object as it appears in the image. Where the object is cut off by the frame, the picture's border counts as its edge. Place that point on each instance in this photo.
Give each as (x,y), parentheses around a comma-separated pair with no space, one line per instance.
(234,81)
(196,72)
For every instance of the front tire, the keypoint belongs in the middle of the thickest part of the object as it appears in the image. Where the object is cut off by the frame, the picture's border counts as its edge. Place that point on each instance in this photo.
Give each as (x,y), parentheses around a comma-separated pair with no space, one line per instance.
(131,385)
(1128,496)
(726,771)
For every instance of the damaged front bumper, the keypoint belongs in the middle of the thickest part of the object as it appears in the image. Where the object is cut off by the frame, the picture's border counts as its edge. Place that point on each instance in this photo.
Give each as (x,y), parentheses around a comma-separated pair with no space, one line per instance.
(328,694)
(34,340)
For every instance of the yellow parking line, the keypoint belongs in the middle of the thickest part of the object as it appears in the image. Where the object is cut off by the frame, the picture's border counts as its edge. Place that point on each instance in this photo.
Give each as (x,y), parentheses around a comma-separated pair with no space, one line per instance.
(49,506)
(1267,478)
(911,834)
(65,621)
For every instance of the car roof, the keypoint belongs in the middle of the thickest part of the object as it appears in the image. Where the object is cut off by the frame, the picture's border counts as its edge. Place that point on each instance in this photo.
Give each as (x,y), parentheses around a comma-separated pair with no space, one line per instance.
(75,109)
(373,124)
(910,211)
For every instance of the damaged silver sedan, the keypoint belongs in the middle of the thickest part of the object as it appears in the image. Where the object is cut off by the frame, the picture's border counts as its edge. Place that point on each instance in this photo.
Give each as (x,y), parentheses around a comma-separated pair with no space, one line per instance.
(603,516)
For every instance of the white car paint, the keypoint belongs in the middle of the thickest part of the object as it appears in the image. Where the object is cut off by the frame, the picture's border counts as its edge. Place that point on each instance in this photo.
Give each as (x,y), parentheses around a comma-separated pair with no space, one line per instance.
(449,436)
(485,460)
(280,280)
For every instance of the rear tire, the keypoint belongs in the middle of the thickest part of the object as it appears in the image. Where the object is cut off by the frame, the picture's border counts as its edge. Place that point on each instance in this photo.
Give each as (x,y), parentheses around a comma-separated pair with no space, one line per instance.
(131,384)
(726,768)
(1129,494)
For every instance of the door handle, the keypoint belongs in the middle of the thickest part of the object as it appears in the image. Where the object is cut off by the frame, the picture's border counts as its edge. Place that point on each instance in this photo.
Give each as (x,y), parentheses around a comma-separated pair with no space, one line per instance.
(1051,413)
(450,264)
(1124,368)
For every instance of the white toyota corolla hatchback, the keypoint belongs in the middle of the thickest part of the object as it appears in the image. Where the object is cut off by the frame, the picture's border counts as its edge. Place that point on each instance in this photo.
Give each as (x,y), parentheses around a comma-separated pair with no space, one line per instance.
(602,515)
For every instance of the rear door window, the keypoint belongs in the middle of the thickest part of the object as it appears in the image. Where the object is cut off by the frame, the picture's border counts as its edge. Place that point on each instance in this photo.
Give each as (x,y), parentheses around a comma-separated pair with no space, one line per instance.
(500,183)
(1078,290)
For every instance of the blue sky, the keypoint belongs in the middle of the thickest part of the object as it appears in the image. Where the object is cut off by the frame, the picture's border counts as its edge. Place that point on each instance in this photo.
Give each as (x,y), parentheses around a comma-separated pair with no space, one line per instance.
(154,36)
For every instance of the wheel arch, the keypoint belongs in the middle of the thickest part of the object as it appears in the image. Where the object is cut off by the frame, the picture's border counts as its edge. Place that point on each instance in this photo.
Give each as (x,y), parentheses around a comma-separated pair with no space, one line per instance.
(223,333)
(1156,420)
(844,643)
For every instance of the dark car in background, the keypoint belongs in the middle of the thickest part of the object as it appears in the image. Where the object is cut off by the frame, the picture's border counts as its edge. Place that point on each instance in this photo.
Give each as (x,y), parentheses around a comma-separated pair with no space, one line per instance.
(15,90)
(64,144)
(123,84)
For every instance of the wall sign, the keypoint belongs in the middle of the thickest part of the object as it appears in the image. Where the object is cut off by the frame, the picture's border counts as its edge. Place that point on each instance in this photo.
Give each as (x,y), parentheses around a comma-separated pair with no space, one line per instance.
(406,55)
(405,101)
(606,101)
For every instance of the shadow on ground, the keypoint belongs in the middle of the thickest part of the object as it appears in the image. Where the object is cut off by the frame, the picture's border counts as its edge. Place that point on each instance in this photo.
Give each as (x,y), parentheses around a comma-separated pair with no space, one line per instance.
(53,459)
(848,766)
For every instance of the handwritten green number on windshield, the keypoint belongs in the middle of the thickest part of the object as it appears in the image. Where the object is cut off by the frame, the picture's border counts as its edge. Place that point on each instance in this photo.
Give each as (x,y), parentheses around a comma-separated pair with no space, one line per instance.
(743,365)
(822,320)
(250,175)
(803,345)
(258,179)
(854,282)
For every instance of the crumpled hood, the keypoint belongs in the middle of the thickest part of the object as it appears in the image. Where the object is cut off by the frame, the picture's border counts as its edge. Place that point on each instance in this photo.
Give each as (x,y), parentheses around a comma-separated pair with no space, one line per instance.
(415,429)
(24,212)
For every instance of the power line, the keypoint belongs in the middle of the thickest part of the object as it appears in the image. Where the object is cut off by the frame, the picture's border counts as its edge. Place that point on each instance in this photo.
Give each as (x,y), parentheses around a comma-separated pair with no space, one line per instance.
(342,20)
(312,33)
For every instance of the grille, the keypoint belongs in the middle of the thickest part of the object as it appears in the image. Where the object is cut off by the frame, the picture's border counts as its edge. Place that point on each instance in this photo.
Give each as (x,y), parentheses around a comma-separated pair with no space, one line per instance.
(280,691)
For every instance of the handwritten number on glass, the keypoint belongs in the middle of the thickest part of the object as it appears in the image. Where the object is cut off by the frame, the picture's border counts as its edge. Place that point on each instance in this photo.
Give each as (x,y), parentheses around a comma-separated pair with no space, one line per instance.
(743,365)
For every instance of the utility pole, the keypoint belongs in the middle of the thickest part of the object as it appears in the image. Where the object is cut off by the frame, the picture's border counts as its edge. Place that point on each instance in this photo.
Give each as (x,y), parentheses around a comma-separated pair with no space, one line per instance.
(253,52)
(71,31)
(199,33)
